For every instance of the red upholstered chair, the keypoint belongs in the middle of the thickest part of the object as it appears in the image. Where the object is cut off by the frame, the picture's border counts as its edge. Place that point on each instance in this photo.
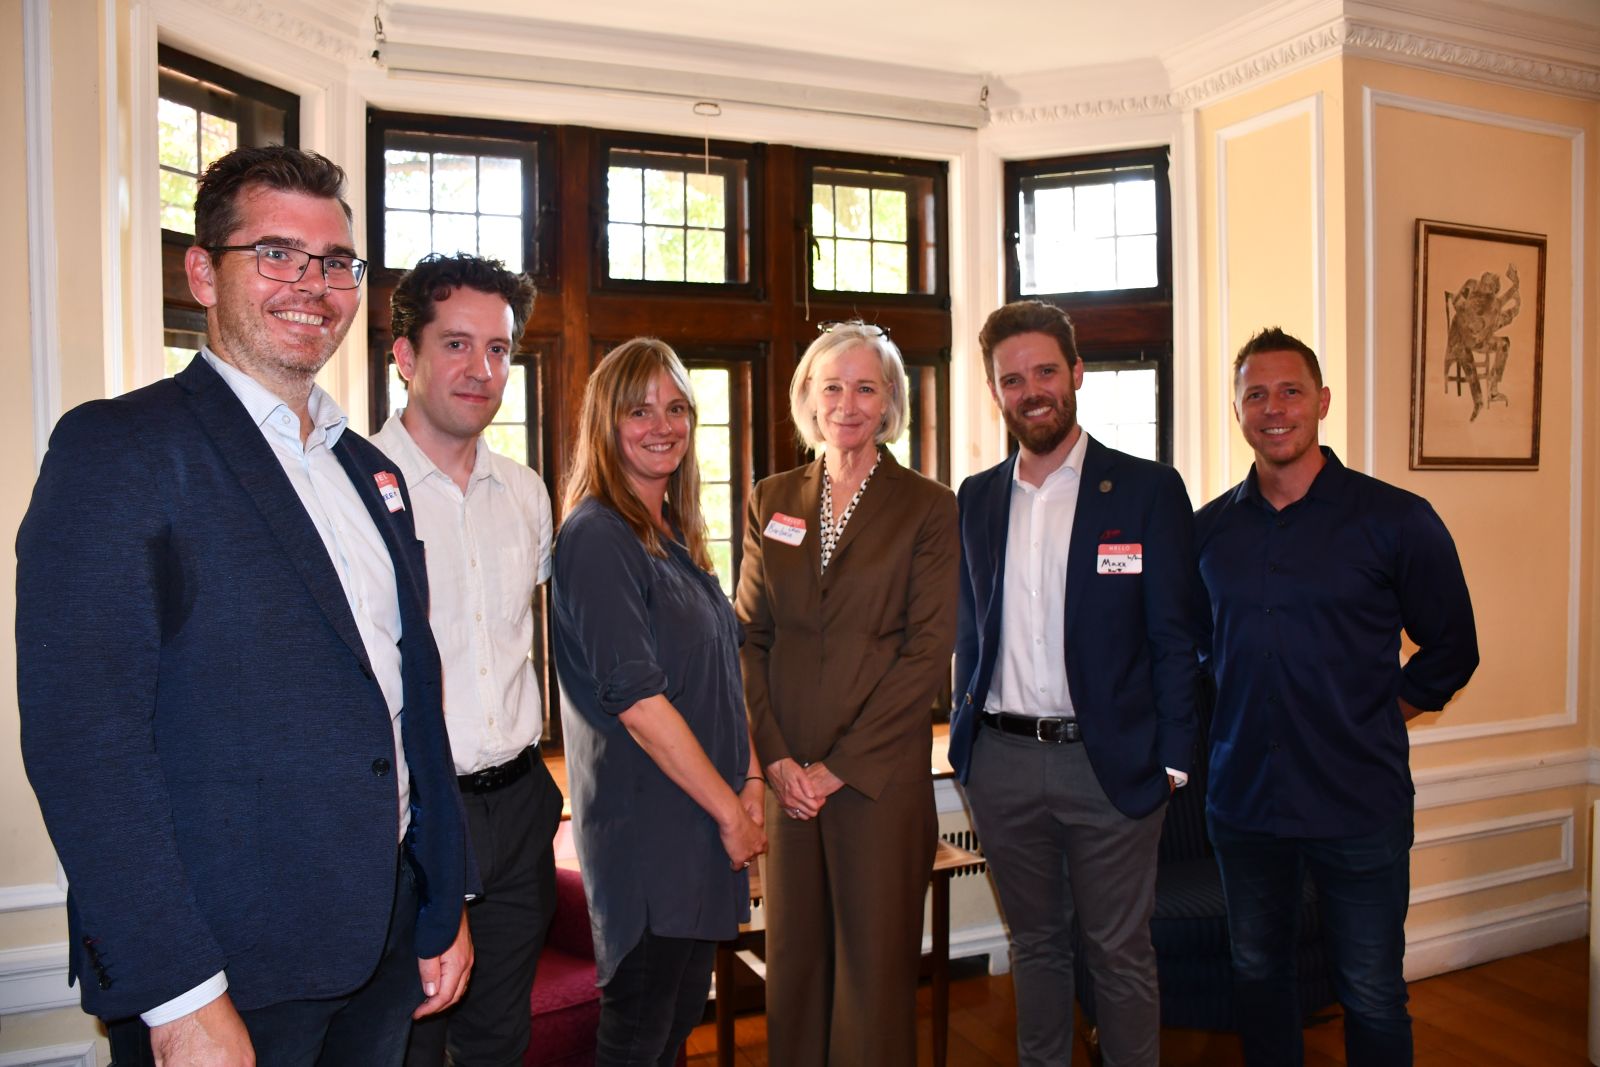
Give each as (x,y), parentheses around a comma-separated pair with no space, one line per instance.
(565,1003)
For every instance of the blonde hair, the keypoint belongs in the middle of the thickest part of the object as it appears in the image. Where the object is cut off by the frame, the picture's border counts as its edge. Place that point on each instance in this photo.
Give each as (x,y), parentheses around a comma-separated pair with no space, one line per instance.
(619,384)
(803,405)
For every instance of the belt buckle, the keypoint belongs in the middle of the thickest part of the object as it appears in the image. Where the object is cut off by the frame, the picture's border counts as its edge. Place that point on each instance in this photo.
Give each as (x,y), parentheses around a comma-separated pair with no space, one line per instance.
(1039,731)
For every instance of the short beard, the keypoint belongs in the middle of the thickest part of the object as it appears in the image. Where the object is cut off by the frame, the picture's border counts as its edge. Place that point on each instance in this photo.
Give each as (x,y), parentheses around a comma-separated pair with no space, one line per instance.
(1042,440)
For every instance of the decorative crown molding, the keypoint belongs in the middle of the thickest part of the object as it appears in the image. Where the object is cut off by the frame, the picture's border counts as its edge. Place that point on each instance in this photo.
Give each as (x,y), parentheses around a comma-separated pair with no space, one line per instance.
(1339,37)
(320,31)
(1508,66)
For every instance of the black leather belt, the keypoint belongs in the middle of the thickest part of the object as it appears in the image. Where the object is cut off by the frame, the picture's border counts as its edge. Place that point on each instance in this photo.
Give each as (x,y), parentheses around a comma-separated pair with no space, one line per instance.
(498,777)
(1044,731)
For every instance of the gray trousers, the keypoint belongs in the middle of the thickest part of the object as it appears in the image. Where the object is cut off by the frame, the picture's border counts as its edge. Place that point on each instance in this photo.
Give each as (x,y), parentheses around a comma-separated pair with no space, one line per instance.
(1057,849)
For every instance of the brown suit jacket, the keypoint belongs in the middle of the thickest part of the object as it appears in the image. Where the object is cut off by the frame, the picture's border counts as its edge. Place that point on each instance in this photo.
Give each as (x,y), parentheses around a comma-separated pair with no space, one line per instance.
(842,668)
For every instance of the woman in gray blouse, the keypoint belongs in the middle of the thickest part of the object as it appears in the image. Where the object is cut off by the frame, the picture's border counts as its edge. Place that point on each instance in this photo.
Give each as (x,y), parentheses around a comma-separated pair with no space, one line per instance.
(667,796)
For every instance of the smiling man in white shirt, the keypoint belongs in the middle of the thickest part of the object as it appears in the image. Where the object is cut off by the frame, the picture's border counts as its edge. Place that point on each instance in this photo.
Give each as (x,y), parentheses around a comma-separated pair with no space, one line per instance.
(485,521)
(1080,613)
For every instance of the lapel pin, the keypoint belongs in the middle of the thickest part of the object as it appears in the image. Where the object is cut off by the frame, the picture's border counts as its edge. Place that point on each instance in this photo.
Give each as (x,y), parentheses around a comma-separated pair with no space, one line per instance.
(1105,486)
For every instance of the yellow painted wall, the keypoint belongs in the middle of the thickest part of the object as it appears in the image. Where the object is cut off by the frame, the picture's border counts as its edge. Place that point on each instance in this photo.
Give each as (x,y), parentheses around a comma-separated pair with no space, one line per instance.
(78,173)
(1504,158)
(1272,254)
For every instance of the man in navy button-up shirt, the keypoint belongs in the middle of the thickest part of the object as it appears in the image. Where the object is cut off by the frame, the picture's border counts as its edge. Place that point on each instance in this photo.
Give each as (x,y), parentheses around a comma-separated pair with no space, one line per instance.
(1313,571)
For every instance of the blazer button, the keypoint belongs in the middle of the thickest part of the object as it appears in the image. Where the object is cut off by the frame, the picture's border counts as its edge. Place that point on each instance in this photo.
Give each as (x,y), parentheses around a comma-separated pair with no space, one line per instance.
(105,983)
(380,766)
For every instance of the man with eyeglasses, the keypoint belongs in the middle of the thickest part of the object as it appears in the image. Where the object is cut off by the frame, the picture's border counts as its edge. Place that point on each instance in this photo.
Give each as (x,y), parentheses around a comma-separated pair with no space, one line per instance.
(230,696)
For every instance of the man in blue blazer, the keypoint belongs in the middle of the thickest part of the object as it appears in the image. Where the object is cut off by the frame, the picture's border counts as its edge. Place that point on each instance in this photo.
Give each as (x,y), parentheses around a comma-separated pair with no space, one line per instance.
(1077,671)
(230,696)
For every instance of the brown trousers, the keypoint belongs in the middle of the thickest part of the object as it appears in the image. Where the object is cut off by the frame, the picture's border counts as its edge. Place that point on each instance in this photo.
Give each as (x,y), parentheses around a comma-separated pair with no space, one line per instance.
(844,907)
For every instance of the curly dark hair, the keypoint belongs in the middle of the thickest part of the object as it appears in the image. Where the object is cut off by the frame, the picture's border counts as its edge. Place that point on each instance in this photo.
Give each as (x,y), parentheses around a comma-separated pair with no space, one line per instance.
(1027,316)
(436,276)
(216,206)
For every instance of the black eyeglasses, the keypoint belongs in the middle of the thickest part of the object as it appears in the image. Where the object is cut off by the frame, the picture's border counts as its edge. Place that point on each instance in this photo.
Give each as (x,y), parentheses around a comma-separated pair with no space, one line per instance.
(282,264)
(871,329)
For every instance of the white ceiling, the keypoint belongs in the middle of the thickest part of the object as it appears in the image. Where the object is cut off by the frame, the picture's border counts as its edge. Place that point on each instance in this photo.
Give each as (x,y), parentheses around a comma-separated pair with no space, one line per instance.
(1004,37)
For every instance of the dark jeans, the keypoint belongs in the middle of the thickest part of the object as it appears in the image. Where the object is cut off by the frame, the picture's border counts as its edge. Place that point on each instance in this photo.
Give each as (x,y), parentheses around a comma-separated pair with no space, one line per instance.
(368,1026)
(653,1001)
(1363,885)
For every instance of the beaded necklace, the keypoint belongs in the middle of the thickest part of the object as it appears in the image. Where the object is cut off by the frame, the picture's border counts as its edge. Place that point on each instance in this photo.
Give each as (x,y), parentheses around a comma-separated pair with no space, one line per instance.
(831,531)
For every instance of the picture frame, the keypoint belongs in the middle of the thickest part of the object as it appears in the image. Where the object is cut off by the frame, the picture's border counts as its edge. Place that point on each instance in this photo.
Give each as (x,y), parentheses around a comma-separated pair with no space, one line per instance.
(1477,362)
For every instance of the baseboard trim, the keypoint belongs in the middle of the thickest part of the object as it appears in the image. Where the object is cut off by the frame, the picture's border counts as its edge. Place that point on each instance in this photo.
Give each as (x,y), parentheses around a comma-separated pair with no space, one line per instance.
(81,1054)
(35,979)
(1437,948)
(986,940)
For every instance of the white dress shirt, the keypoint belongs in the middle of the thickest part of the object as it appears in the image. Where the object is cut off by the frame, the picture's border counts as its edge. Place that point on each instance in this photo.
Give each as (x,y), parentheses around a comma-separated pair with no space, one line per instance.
(1030,676)
(488,548)
(359,556)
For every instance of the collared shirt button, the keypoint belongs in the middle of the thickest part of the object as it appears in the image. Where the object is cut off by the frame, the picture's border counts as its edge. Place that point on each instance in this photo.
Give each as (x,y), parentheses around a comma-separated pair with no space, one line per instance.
(478,616)
(1269,611)
(473,562)
(483,670)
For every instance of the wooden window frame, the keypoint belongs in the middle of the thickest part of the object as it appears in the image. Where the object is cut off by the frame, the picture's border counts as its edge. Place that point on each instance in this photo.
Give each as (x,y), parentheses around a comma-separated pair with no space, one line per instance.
(745,243)
(179,309)
(1131,357)
(1019,171)
(535,145)
(927,226)
(1115,327)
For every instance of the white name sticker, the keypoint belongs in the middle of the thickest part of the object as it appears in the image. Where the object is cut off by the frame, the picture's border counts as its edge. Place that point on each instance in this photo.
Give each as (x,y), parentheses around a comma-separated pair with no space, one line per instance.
(1121,559)
(786,528)
(389,489)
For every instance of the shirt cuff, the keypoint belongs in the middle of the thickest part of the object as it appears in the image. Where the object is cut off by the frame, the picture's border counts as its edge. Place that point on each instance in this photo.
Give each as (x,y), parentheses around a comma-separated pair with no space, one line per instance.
(187,1003)
(1179,779)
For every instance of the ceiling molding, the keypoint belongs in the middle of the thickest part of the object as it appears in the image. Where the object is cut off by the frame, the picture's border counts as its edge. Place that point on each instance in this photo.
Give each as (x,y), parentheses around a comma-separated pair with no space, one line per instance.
(1469,37)
(1502,65)
(689,85)
(1336,38)
(674,56)
(334,28)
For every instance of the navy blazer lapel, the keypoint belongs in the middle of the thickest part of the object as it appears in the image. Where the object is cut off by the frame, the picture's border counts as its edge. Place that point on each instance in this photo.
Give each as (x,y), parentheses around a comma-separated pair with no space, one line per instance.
(997,514)
(410,583)
(1095,488)
(246,452)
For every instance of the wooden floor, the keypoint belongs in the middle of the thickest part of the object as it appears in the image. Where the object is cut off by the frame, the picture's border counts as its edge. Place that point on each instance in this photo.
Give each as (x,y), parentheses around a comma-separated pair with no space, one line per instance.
(1526,1011)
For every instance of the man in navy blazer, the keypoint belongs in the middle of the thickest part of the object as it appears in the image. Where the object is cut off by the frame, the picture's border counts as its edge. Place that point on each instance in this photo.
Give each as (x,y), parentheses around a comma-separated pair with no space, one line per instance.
(1076,662)
(230,696)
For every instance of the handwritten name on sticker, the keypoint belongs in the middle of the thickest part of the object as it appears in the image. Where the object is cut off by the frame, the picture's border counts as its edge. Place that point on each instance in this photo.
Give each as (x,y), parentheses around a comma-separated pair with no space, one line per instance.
(389,489)
(786,529)
(1121,559)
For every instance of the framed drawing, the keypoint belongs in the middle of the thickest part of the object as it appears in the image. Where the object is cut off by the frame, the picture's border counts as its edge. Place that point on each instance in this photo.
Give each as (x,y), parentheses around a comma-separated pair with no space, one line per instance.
(1477,358)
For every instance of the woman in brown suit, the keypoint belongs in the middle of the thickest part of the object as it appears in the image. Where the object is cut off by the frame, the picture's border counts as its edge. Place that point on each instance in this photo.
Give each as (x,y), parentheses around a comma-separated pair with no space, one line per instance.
(848,596)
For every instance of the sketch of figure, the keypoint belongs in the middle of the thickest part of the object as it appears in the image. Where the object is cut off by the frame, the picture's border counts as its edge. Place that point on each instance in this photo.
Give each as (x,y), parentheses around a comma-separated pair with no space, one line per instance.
(1478,313)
